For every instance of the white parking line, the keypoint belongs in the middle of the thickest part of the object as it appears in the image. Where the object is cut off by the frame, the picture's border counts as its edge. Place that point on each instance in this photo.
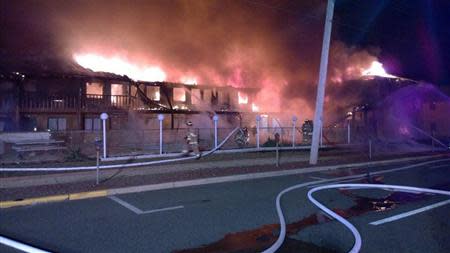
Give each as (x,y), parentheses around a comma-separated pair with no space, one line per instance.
(410,213)
(317,178)
(139,211)
(126,205)
(163,209)
(439,166)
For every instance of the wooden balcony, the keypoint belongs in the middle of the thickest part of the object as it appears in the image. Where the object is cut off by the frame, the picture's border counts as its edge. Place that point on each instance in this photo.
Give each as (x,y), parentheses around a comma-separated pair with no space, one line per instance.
(53,103)
(107,102)
(67,103)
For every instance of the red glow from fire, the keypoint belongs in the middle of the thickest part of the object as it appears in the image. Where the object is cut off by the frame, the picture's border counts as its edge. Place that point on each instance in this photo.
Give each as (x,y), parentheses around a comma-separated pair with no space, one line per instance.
(120,66)
(188,80)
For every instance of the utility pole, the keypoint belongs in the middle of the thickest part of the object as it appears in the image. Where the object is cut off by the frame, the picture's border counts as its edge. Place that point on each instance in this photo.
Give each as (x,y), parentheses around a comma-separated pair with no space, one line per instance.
(321,86)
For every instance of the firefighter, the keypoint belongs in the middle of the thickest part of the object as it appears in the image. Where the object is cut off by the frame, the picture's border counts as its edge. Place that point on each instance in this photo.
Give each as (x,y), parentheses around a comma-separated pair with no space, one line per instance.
(191,141)
(307,130)
(242,137)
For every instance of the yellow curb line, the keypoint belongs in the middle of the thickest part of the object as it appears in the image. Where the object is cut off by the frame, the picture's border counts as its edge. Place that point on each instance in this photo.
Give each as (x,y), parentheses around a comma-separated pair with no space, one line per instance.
(86,195)
(31,201)
(54,198)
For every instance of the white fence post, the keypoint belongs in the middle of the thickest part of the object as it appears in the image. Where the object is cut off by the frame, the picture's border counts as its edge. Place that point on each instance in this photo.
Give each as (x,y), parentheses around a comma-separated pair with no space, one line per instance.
(294,121)
(258,120)
(104,117)
(160,118)
(216,119)
(348,132)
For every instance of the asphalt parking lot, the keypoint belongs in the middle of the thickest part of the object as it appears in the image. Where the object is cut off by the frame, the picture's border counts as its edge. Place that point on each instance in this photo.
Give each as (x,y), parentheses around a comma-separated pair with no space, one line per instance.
(240,216)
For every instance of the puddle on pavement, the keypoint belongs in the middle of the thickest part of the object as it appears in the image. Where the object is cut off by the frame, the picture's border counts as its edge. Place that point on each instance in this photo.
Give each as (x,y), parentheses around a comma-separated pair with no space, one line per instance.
(261,238)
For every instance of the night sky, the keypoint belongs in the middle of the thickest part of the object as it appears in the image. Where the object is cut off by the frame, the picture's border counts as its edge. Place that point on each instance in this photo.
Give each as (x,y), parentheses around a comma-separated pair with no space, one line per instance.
(410,37)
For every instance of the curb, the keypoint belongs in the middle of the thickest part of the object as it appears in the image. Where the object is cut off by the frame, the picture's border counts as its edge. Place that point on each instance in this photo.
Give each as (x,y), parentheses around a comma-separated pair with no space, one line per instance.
(196,182)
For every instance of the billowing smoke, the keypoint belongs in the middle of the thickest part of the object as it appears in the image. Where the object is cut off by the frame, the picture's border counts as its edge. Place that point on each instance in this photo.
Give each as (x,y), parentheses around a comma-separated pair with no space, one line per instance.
(222,42)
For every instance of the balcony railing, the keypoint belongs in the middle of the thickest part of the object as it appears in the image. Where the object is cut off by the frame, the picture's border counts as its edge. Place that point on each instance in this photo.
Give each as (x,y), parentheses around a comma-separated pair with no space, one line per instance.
(107,101)
(34,102)
(65,103)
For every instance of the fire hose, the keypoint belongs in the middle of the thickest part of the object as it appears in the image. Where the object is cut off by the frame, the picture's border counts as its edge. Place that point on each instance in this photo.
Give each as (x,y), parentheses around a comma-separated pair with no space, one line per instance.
(356,235)
(118,166)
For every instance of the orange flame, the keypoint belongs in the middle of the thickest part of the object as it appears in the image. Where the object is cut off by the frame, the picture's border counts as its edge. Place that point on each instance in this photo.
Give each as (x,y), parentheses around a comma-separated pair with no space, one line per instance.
(255,108)
(188,80)
(242,98)
(119,66)
(376,69)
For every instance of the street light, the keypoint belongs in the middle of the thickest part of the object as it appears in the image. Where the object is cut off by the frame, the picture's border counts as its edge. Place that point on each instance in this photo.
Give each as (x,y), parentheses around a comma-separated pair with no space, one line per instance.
(160,118)
(215,119)
(104,117)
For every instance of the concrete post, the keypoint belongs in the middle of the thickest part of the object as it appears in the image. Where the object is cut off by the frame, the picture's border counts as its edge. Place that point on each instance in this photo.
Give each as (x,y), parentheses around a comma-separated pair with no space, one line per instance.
(258,120)
(216,119)
(348,132)
(104,117)
(160,118)
(321,85)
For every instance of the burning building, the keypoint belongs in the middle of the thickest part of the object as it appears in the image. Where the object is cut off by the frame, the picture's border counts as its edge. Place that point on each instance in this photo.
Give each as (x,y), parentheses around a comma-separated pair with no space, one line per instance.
(394,109)
(58,101)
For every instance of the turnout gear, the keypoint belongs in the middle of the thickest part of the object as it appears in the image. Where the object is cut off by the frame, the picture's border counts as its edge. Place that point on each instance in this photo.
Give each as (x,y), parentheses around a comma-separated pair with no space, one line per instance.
(191,141)
(242,137)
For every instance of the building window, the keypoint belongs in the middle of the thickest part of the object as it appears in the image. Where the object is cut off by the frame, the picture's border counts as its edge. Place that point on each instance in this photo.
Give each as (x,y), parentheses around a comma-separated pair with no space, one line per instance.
(195,96)
(242,98)
(57,124)
(94,88)
(179,95)
(118,89)
(118,94)
(207,96)
(153,93)
(92,124)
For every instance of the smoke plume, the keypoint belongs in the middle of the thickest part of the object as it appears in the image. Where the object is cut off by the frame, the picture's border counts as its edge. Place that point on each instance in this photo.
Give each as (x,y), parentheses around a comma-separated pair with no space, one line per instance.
(221,42)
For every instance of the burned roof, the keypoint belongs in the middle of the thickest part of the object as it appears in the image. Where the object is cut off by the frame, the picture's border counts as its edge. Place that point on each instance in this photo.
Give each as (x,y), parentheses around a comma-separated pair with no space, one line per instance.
(49,67)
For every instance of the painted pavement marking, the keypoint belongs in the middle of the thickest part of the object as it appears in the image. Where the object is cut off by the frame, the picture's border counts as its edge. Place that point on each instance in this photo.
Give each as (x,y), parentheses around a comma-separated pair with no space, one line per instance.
(139,211)
(410,213)
(439,166)
(317,178)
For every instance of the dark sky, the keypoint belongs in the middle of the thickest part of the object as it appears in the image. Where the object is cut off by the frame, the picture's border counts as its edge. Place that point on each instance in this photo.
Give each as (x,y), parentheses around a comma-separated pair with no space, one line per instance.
(413,35)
